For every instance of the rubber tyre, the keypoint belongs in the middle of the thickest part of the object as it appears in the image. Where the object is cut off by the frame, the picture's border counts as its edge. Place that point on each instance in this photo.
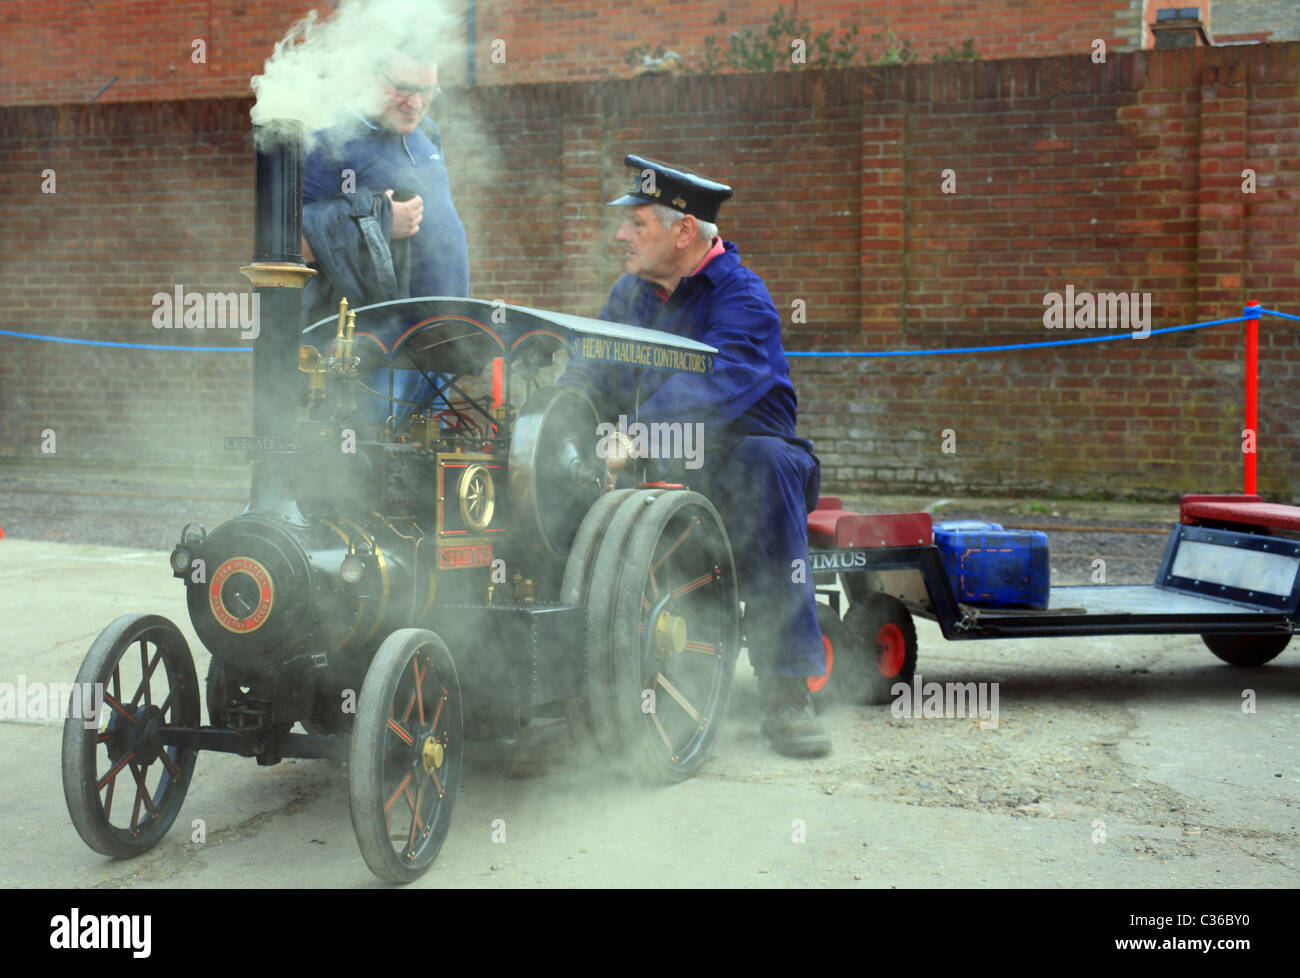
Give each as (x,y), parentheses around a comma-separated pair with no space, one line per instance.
(112,741)
(386,754)
(882,644)
(1246,650)
(575,589)
(214,688)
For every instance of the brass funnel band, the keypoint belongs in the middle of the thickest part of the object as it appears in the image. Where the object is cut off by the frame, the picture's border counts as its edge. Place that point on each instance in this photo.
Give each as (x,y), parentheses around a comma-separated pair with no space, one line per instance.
(282,275)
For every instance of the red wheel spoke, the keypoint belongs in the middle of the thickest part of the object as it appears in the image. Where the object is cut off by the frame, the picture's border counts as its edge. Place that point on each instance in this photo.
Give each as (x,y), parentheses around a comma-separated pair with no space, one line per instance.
(419,678)
(436,783)
(669,552)
(704,647)
(415,803)
(694,585)
(108,778)
(401,731)
(135,808)
(437,713)
(118,706)
(138,772)
(388,806)
(102,738)
(663,734)
(415,819)
(169,764)
(108,802)
(117,679)
(148,669)
(406,714)
(682,701)
(146,672)
(166,704)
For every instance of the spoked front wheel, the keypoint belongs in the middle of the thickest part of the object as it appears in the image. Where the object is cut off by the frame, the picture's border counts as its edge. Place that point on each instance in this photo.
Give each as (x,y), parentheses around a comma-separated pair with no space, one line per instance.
(405,755)
(124,788)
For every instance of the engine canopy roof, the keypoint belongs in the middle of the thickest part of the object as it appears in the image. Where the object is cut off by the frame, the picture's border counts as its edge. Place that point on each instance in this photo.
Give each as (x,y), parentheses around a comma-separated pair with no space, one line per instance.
(461,336)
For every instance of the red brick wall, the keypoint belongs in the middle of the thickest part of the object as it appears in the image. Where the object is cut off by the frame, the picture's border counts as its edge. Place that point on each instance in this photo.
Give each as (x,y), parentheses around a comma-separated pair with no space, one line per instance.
(147,196)
(1122,177)
(589,38)
(67,50)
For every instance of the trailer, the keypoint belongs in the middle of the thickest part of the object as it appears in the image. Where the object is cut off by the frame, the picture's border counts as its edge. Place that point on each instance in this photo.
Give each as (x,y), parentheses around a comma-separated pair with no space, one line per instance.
(1230,573)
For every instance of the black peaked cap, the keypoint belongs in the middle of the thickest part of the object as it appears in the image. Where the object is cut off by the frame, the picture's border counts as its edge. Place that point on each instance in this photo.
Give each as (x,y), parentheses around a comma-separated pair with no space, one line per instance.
(655,183)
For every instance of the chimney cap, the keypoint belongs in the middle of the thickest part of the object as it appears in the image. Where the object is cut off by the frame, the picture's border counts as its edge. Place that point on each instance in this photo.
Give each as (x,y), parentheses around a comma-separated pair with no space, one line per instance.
(1178,13)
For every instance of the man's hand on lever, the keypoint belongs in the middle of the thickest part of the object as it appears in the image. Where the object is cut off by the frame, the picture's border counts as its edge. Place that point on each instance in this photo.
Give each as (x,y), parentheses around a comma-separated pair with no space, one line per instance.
(619,450)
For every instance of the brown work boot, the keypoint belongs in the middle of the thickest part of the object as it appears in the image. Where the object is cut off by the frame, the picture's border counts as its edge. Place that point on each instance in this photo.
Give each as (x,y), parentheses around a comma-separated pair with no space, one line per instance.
(789,720)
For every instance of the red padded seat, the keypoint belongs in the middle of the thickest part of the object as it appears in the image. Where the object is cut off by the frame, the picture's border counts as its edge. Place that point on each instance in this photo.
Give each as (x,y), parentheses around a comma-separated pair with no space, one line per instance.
(1247,510)
(830,525)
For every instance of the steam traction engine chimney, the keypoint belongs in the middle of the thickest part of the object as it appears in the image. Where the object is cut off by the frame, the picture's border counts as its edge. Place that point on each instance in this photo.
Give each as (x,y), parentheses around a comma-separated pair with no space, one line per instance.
(278,275)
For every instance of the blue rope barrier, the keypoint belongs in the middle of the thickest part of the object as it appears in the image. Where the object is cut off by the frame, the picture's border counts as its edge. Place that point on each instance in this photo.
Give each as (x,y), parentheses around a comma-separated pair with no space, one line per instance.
(874,353)
(1274,312)
(1021,346)
(127,346)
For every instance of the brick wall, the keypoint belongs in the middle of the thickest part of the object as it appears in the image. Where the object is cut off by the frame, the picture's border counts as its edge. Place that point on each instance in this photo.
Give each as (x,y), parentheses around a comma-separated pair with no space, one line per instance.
(1117,177)
(147,196)
(1262,20)
(67,50)
(589,38)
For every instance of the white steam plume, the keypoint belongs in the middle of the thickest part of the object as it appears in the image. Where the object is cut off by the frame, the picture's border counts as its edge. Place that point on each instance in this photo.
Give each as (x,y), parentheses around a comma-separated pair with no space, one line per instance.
(324,61)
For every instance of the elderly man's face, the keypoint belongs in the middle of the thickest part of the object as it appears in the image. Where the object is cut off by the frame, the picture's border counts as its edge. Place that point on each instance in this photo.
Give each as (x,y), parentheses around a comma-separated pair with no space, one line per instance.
(407,89)
(650,247)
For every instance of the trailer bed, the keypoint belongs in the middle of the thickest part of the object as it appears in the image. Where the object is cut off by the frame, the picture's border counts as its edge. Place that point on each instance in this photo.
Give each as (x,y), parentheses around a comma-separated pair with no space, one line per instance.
(1122,609)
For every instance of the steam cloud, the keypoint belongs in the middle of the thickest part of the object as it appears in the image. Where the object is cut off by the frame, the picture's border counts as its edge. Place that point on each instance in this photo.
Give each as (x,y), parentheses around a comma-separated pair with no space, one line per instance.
(323,62)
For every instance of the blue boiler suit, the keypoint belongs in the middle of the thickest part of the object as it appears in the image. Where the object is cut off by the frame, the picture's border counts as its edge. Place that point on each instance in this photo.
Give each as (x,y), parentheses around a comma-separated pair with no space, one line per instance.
(758,474)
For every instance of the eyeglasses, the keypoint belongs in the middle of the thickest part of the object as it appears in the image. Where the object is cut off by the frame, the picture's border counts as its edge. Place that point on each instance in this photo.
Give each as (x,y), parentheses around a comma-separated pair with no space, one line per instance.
(427,95)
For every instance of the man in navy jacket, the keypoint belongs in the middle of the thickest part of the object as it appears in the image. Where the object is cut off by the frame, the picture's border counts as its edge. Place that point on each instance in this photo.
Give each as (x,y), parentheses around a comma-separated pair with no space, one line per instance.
(378,218)
(684,279)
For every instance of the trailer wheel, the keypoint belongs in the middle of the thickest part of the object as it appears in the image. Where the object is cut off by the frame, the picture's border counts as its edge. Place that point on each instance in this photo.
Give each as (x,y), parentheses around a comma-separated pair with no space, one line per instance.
(663,634)
(1246,650)
(405,755)
(884,638)
(844,660)
(121,743)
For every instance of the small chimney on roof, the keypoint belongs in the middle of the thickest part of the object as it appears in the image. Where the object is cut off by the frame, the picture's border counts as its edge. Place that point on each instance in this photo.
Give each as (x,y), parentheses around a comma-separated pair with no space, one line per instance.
(1180,27)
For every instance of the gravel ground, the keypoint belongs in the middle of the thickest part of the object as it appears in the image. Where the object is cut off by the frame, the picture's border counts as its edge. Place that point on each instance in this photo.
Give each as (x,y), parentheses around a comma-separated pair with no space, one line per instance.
(1109,730)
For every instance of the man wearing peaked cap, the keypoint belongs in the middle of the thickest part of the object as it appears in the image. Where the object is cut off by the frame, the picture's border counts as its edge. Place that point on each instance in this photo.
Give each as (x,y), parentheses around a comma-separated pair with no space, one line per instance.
(684,278)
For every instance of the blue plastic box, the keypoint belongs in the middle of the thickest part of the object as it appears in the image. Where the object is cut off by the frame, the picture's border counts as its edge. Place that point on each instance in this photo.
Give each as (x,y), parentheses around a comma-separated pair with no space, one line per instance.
(992,567)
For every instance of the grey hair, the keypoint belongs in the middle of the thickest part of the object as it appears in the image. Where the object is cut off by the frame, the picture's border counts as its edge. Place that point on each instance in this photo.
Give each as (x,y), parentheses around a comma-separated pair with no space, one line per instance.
(668,217)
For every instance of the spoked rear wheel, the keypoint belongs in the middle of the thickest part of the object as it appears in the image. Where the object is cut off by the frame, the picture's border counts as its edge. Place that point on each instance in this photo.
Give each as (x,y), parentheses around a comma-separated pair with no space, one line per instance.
(122,787)
(663,633)
(405,755)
